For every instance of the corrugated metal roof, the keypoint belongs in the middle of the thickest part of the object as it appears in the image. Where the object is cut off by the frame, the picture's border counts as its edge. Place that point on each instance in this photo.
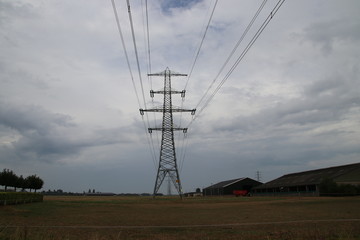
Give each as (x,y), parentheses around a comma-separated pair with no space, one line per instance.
(225,183)
(310,177)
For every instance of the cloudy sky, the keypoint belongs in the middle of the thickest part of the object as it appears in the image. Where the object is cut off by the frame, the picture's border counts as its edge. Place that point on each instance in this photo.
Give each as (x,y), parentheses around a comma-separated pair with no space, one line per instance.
(69,111)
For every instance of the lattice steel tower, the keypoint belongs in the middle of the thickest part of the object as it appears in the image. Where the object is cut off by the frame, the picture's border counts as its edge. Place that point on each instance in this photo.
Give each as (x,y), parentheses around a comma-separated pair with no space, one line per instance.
(167,163)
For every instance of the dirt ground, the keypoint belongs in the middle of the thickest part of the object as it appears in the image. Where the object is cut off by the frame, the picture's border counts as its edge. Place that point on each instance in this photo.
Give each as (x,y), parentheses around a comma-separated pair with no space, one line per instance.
(85,217)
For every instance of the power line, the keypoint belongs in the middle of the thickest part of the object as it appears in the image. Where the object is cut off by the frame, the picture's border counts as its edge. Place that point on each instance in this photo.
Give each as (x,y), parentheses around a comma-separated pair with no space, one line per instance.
(234,50)
(247,48)
(201,43)
(148,39)
(145,22)
(148,50)
(125,51)
(184,145)
(150,142)
(239,59)
(135,50)
(221,69)
(136,55)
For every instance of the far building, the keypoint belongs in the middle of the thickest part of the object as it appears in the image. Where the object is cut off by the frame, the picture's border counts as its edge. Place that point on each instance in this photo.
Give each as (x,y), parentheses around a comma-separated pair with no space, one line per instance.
(228,187)
(312,183)
(197,193)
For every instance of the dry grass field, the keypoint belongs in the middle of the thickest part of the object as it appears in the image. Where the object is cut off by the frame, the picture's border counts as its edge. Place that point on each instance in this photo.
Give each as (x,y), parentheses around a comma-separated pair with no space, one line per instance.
(192,218)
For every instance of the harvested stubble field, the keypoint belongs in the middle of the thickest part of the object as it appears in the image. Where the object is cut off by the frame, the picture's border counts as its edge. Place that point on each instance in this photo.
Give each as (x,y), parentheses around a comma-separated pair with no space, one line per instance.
(192,218)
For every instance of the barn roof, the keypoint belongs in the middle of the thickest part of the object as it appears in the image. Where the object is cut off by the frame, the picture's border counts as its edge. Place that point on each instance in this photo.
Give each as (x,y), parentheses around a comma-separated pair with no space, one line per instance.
(225,183)
(310,177)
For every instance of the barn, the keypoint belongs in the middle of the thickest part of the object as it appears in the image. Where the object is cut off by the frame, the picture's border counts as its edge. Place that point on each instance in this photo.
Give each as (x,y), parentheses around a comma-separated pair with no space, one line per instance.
(312,183)
(227,187)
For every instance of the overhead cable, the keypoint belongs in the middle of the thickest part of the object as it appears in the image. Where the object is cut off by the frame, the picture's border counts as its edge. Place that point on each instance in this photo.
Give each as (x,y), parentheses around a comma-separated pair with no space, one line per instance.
(148,39)
(191,70)
(247,48)
(125,51)
(140,79)
(239,59)
(233,50)
(201,43)
(150,142)
(135,50)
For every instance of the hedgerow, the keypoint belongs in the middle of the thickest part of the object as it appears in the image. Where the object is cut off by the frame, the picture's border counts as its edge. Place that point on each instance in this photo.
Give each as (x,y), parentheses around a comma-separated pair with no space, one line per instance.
(10,198)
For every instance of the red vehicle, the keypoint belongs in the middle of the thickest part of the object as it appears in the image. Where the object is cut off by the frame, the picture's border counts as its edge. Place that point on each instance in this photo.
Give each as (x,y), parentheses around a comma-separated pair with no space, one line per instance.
(241,193)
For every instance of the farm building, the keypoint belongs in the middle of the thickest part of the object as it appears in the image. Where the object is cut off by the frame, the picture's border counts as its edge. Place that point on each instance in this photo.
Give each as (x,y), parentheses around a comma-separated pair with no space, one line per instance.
(227,187)
(312,183)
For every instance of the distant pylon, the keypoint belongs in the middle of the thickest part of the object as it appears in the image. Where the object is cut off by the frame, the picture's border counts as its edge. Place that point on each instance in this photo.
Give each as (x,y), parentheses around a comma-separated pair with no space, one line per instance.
(167,162)
(258,176)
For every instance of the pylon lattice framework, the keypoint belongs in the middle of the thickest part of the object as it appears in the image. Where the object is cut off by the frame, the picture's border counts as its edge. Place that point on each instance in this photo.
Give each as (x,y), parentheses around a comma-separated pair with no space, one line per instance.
(167,161)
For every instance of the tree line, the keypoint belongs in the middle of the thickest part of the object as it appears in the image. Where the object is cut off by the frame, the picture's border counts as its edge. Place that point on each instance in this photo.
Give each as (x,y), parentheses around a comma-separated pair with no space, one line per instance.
(9,179)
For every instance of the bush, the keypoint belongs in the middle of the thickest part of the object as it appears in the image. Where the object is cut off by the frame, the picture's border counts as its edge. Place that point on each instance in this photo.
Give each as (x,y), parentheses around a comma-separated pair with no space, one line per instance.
(329,188)
(10,198)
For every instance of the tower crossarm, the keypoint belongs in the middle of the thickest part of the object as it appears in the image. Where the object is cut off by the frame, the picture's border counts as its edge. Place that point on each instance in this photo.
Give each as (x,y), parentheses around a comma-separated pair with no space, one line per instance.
(152,92)
(168,73)
(168,129)
(167,110)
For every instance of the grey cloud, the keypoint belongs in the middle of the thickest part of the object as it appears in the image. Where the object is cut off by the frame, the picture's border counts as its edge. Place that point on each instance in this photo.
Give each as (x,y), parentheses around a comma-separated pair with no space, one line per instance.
(31,118)
(326,34)
(298,131)
(324,101)
(40,132)
(168,5)
(23,10)
(47,136)
(12,76)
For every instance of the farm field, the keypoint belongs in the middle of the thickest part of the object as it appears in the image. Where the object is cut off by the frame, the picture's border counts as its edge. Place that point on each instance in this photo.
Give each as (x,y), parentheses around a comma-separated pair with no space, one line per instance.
(94,217)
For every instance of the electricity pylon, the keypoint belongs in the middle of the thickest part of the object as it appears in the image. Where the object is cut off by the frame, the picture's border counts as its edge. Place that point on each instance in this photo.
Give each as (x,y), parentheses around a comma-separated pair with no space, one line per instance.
(167,162)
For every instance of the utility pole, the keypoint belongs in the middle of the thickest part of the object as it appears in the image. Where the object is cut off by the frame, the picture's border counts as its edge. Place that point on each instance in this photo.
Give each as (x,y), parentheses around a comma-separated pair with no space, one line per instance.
(167,162)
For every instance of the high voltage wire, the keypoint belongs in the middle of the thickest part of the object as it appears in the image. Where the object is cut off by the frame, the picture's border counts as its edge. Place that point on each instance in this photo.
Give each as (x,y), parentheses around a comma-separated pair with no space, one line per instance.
(148,39)
(125,51)
(183,153)
(140,78)
(147,44)
(247,48)
(148,50)
(145,21)
(201,43)
(150,142)
(239,59)
(234,50)
(184,144)
(228,74)
(135,50)
(185,141)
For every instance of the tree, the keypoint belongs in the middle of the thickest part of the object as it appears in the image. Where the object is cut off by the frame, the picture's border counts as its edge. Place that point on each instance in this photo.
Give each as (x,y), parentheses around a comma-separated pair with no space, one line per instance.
(39,184)
(8,178)
(20,182)
(33,182)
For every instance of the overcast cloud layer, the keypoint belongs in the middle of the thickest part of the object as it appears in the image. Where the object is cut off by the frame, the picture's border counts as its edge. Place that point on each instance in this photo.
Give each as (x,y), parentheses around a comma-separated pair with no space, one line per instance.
(69,112)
